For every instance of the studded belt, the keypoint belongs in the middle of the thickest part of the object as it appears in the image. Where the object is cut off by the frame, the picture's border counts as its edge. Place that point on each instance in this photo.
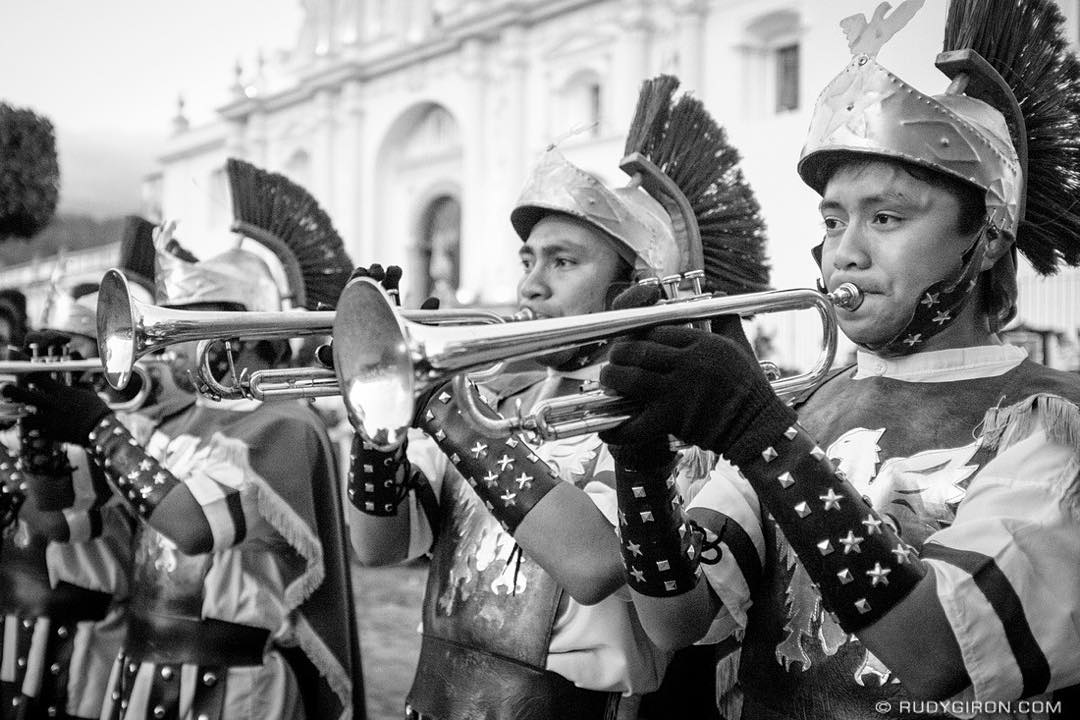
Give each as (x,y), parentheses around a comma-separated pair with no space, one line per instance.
(163,639)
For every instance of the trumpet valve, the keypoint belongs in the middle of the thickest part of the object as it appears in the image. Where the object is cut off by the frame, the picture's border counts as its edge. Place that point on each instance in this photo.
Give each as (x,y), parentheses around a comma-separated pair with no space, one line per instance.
(696,278)
(671,284)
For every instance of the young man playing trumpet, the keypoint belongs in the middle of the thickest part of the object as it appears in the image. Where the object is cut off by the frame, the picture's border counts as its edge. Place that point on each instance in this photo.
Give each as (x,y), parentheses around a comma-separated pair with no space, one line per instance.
(911,531)
(239,593)
(523,614)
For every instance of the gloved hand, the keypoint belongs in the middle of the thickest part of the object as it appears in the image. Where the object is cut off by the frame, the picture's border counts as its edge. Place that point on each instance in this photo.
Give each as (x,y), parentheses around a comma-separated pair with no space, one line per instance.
(49,342)
(703,388)
(64,413)
(390,278)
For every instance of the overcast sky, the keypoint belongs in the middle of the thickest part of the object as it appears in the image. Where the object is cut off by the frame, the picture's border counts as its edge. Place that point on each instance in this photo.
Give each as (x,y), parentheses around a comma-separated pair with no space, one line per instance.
(107,73)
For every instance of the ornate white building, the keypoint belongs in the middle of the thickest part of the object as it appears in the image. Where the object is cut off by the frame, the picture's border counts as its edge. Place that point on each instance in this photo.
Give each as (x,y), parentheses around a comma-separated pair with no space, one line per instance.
(415,122)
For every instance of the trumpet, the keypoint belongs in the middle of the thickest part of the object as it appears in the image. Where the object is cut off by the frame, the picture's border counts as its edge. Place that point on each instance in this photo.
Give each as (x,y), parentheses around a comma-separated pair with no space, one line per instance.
(384,361)
(10,370)
(129,329)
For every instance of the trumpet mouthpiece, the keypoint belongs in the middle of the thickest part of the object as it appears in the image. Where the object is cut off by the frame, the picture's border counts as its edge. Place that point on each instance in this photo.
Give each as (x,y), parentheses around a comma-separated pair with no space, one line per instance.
(848,296)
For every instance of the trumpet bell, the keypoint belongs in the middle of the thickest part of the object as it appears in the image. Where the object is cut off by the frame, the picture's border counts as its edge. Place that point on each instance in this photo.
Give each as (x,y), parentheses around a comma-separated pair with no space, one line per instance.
(116,329)
(374,364)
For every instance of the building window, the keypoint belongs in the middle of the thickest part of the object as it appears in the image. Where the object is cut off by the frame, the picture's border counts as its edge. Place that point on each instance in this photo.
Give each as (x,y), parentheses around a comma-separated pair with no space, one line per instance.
(787,78)
(440,249)
(580,106)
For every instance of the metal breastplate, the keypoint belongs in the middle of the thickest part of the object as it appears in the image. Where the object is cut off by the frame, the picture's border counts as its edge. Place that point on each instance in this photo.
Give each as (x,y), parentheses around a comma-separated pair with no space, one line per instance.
(482,591)
(165,580)
(912,449)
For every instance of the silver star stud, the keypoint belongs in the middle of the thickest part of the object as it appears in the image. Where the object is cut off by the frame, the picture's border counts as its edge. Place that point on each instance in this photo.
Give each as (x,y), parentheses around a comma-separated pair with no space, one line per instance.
(622,517)
(145,465)
(524,481)
(634,548)
(902,553)
(491,478)
(159,478)
(508,498)
(479,450)
(145,491)
(133,475)
(638,575)
(873,525)
(505,462)
(930,300)
(913,339)
(878,575)
(851,543)
(831,500)
(942,317)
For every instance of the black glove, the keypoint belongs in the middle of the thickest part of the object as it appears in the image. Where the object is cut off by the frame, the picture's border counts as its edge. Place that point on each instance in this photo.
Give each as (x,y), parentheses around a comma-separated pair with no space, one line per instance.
(49,342)
(703,388)
(64,413)
(390,278)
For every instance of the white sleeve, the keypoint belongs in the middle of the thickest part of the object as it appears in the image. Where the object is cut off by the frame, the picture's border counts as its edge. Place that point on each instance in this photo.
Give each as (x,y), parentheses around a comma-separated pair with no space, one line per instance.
(727,507)
(1008,572)
(426,458)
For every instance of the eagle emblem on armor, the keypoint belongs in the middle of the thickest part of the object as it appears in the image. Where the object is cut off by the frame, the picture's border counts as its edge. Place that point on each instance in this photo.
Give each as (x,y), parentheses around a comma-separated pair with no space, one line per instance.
(917,495)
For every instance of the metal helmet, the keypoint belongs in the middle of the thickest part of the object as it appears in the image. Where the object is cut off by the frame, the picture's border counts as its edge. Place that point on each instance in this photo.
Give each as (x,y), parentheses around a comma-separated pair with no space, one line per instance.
(639,225)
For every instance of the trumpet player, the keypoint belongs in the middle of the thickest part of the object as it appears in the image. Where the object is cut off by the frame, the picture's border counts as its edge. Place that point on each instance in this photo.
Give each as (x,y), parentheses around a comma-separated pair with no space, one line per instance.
(916,537)
(525,614)
(64,569)
(238,593)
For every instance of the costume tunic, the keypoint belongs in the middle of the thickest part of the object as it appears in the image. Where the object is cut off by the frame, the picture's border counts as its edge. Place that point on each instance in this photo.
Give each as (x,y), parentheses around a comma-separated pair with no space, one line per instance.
(264,475)
(64,602)
(971,455)
(600,647)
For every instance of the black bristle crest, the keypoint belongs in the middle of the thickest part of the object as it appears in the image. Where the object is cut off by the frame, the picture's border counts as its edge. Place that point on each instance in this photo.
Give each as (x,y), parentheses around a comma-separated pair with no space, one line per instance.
(137,249)
(1023,41)
(692,149)
(277,206)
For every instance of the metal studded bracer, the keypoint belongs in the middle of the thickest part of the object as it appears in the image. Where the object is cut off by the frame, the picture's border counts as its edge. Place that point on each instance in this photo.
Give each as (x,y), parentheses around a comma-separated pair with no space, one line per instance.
(377,479)
(12,487)
(661,547)
(507,475)
(862,568)
(142,481)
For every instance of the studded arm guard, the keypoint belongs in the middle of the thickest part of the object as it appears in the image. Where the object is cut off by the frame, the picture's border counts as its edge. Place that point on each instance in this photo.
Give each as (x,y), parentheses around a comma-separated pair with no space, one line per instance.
(47,470)
(507,475)
(860,565)
(12,494)
(661,547)
(377,479)
(141,480)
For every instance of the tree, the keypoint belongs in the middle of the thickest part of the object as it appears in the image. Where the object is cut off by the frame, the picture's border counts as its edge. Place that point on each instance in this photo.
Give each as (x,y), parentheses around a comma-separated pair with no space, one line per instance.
(29,172)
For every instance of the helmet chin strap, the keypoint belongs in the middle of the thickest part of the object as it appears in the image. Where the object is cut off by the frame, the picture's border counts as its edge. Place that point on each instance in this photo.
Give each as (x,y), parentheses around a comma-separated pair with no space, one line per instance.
(938,306)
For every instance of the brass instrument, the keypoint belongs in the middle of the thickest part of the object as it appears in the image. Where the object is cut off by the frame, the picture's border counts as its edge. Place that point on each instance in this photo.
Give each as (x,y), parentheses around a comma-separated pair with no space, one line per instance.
(14,368)
(384,361)
(129,329)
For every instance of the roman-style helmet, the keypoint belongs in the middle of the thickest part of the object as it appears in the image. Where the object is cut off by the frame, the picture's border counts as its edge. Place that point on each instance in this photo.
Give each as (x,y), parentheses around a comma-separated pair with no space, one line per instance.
(687,206)
(1008,124)
(278,215)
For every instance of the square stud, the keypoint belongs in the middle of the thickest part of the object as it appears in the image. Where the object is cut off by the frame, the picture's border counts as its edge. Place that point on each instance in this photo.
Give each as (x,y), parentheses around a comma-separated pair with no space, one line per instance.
(862,606)
(663,565)
(802,509)
(845,576)
(768,454)
(817,453)
(786,480)
(791,432)
(638,490)
(670,586)
(825,548)
(444,397)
